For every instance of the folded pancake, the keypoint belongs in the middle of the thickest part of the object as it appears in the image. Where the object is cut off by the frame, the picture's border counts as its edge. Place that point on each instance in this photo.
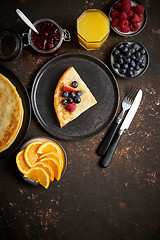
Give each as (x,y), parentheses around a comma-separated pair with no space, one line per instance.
(11,113)
(87,99)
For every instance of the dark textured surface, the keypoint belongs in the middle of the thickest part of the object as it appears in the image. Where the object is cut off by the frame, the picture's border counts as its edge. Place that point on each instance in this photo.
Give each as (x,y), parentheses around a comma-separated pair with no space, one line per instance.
(121,202)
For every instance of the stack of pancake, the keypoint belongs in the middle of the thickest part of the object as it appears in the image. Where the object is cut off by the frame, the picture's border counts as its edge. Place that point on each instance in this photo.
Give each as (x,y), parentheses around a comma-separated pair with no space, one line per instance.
(11,113)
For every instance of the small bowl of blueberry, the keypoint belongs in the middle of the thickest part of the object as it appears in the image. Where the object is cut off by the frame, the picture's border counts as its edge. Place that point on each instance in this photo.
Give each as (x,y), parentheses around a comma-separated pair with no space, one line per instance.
(127,17)
(129,59)
(49,38)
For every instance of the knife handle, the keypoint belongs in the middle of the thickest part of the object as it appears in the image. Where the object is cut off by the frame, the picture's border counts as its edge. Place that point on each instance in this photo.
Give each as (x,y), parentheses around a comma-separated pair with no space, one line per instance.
(104,145)
(105,161)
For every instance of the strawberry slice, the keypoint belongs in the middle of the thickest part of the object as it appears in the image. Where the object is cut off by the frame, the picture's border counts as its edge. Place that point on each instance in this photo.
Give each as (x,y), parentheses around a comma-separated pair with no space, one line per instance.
(69,89)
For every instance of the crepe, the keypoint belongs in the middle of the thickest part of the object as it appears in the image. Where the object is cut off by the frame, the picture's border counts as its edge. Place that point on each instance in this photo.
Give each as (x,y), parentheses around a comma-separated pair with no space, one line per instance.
(87,99)
(11,113)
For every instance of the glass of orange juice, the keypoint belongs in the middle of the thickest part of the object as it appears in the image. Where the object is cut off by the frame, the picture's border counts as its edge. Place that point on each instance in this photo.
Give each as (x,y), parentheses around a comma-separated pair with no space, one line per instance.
(93,29)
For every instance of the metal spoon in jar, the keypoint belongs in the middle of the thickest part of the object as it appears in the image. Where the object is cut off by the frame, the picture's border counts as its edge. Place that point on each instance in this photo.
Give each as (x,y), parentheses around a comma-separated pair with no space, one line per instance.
(26,20)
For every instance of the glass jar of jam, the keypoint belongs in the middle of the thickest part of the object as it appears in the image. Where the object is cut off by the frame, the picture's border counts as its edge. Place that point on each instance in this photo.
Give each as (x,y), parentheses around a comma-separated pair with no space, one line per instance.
(49,39)
(50,36)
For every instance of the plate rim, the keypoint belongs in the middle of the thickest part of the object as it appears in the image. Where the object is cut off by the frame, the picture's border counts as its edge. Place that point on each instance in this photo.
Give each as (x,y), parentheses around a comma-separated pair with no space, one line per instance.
(25,97)
(35,83)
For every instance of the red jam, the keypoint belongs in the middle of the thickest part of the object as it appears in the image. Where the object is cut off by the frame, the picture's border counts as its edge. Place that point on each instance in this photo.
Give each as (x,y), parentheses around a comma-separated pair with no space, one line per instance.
(48,37)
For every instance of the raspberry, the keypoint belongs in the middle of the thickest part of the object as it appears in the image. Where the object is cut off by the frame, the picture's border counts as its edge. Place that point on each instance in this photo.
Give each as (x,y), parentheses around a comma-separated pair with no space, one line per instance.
(140,17)
(134,27)
(115,14)
(115,22)
(125,2)
(130,14)
(135,19)
(139,9)
(118,6)
(133,8)
(123,15)
(125,29)
(126,5)
(126,9)
(71,107)
(123,23)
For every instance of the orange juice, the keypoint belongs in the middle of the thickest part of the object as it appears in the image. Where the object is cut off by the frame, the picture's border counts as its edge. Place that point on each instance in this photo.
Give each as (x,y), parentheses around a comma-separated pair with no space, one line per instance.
(92,29)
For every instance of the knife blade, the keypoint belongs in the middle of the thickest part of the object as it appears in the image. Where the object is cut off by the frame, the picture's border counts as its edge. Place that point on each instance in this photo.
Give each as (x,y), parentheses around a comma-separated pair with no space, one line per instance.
(105,161)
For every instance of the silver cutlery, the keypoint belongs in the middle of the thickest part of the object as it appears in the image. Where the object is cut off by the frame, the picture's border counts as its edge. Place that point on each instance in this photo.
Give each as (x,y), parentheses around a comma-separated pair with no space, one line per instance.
(125,125)
(126,104)
(26,20)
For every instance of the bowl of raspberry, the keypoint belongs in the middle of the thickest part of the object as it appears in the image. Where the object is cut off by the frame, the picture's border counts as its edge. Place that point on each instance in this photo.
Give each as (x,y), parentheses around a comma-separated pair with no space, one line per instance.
(129,59)
(49,38)
(128,18)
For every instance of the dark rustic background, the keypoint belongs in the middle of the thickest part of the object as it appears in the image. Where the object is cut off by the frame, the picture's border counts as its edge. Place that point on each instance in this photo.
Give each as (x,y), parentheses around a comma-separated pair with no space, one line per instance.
(121,202)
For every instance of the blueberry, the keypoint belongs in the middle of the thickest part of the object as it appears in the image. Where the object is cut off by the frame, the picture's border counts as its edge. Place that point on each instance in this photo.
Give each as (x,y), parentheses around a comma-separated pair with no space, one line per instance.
(132,64)
(120,61)
(77,99)
(119,56)
(70,100)
(64,102)
(125,49)
(135,72)
(133,57)
(142,65)
(130,68)
(65,94)
(72,94)
(75,84)
(125,66)
(122,71)
(116,52)
(128,54)
(127,60)
(142,51)
(135,46)
(79,93)
(137,67)
(140,60)
(129,73)
(132,50)
(120,46)
(116,65)
(126,44)
(137,54)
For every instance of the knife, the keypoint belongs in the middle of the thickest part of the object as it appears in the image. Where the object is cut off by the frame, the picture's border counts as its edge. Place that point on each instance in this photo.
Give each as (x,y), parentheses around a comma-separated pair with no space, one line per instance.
(105,161)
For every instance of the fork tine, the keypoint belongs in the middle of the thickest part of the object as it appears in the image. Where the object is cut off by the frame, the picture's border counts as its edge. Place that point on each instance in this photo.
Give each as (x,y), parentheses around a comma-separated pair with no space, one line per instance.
(132,93)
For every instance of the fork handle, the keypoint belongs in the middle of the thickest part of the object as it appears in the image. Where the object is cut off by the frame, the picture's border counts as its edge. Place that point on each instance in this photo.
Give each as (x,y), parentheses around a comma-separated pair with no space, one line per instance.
(106,159)
(102,149)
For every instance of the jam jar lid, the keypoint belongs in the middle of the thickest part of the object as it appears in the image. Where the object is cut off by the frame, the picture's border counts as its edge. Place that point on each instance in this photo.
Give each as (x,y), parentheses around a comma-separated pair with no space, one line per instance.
(10,45)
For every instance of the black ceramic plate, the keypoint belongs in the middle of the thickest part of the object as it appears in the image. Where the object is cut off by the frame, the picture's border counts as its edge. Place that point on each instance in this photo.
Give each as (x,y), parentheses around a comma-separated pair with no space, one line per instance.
(101,83)
(27,110)
(142,24)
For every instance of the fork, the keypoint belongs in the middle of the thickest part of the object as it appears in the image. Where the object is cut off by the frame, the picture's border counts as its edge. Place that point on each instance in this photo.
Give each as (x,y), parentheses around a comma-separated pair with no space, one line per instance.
(126,104)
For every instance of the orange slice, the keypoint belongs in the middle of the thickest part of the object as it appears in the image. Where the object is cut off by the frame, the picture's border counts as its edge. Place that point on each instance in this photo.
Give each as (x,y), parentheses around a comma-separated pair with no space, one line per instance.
(54,156)
(49,147)
(54,165)
(39,175)
(30,152)
(47,168)
(21,163)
